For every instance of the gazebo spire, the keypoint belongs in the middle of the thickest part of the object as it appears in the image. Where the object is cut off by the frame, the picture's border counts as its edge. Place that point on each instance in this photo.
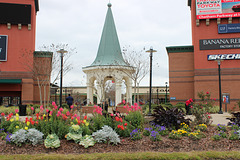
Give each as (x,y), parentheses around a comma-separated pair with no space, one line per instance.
(109,51)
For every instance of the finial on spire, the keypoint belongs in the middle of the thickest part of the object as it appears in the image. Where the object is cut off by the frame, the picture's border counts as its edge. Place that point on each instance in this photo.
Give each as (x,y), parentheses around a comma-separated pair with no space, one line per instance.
(109,4)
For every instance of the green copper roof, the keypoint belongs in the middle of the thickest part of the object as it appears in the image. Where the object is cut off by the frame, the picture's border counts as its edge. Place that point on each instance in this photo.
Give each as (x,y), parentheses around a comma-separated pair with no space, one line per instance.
(109,52)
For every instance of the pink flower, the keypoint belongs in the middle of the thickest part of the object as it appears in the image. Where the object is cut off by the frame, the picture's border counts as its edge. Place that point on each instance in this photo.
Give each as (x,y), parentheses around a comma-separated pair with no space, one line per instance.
(207,93)
(55,107)
(51,112)
(191,106)
(59,113)
(112,115)
(75,115)
(71,107)
(124,107)
(47,110)
(124,101)
(32,108)
(61,109)
(214,99)
(16,110)
(41,107)
(53,103)
(68,113)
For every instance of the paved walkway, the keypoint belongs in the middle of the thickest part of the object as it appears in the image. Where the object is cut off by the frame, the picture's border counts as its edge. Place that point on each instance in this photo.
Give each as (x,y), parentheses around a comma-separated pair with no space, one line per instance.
(217,118)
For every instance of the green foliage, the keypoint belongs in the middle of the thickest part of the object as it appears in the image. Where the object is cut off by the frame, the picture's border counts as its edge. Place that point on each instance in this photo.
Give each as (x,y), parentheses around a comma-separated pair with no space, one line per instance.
(123,132)
(8,110)
(216,137)
(58,127)
(201,110)
(97,122)
(52,141)
(155,136)
(136,119)
(221,127)
(233,135)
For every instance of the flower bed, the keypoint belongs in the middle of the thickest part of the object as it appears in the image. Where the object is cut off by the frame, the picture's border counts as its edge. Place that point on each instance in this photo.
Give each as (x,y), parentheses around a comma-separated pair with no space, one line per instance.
(51,130)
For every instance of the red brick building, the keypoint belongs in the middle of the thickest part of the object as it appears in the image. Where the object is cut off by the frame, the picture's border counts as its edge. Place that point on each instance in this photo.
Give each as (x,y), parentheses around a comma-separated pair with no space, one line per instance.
(215,36)
(18,83)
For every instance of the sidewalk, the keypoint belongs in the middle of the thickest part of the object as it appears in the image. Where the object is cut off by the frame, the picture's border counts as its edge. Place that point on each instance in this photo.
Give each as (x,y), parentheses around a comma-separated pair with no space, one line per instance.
(217,118)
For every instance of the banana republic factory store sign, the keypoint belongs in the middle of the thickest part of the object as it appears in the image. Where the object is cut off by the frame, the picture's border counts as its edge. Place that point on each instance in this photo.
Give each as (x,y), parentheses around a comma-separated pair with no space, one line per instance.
(224,43)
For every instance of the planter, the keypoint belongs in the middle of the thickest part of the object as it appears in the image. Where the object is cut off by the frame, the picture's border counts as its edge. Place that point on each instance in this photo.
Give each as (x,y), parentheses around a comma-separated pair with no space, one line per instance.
(22,110)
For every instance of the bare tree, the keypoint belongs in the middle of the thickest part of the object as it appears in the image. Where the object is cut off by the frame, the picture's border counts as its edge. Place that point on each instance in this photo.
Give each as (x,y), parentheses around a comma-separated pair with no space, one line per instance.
(40,65)
(56,68)
(138,60)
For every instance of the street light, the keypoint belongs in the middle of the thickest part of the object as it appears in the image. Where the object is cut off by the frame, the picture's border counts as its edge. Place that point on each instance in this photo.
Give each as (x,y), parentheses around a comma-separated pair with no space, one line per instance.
(56,87)
(220,88)
(157,97)
(150,88)
(166,93)
(62,51)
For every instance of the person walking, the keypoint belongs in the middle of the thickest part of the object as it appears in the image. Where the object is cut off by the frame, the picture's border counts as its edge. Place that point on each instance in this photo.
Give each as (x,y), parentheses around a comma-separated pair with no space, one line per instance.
(69,100)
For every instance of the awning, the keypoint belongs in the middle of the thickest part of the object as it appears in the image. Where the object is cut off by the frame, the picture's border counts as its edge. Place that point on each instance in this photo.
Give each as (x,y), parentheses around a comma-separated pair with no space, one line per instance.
(11,81)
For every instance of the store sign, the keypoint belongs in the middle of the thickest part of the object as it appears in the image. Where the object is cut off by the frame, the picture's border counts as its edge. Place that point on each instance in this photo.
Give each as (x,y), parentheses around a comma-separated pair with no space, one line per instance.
(226,98)
(207,9)
(223,57)
(3,48)
(224,43)
(172,98)
(229,28)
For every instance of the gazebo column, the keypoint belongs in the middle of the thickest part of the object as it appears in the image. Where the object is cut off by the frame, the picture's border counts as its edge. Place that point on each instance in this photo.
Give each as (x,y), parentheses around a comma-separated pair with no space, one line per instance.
(89,93)
(129,92)
(99,94)
(118,94)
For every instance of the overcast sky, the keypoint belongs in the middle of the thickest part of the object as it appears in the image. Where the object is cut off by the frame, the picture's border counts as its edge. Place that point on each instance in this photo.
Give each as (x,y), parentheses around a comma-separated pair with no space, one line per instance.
(139,23)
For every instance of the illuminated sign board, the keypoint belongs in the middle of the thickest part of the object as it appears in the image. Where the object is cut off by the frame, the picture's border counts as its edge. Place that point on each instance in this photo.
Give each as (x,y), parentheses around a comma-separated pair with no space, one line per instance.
(3,48)
(224,43)
(229,28)
(208,9)
(223,57)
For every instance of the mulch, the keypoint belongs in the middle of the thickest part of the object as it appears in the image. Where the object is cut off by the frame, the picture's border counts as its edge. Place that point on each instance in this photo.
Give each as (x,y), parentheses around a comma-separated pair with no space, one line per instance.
(127,145)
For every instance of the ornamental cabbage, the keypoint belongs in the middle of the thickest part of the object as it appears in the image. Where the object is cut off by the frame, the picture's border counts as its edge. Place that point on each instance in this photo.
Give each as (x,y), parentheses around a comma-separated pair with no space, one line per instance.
(52,141)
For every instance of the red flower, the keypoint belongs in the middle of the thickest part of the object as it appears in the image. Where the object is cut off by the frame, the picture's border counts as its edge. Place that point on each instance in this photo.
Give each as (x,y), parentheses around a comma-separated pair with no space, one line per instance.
(125,124)
(118,126)
(2,114)
(116,118)
(207,93)
(122,128)
(121,120)
(209,116)
(36,122)
(85,117)
(32,122)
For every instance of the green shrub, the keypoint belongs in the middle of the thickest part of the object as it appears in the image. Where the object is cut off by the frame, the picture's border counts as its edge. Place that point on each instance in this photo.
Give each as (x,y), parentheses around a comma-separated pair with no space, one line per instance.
(97,122)
(136,119)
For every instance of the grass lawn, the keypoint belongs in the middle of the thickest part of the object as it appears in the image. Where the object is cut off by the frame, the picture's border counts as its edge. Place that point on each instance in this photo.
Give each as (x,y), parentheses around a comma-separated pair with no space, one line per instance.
(142,155)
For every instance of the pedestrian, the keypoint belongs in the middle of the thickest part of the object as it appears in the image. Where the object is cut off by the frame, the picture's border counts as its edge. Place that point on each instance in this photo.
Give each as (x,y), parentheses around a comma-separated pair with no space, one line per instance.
(69,100)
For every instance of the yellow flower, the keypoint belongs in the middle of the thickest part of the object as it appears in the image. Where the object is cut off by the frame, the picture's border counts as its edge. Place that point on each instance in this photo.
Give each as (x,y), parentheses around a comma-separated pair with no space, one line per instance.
(17,118)
(17,126)
(17,114)
(11,120)
(84,120)
(50,115)
(87,123)
(44,115)
(76,120)
(28,123)
(71,123)
(26,128)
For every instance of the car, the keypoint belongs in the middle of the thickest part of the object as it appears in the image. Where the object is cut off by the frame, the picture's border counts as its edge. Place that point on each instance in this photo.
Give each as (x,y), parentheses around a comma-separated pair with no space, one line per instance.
(236,8)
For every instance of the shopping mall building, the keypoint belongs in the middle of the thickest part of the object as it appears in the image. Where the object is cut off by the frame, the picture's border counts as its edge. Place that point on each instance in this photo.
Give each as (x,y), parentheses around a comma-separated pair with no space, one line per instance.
(18,57)
(215,44)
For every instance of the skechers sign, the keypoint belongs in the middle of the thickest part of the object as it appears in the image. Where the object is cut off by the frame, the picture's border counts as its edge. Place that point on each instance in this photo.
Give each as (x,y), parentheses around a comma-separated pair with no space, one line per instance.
(223,57)
(3,48)
(229,28)
(224,43)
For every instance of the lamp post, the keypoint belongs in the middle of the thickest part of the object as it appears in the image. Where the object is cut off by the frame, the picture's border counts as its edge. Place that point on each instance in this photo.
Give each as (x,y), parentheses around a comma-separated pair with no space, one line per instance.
(166,93)
(157,97)
(150,88)
(61,51)
(220,87)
